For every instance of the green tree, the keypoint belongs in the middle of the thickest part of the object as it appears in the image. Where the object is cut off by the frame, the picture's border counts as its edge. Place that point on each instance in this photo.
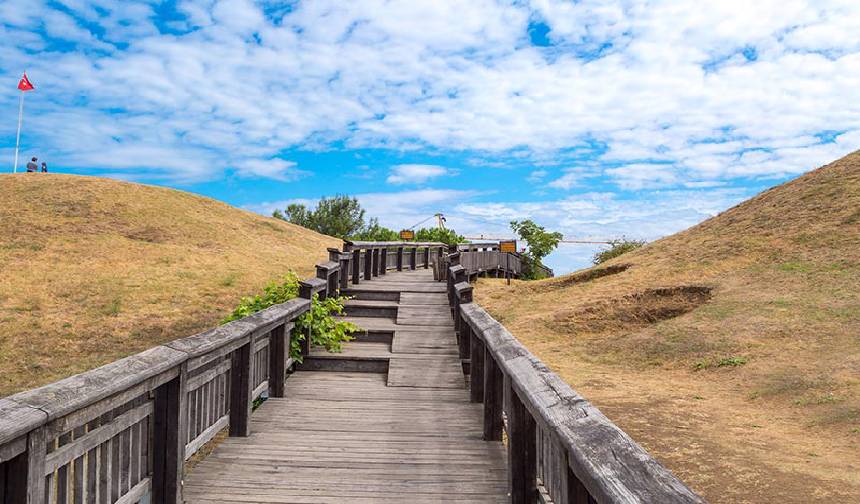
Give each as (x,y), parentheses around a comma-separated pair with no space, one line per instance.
(374,232)
(340,216)
(343,217)
(540,243)
(447,236)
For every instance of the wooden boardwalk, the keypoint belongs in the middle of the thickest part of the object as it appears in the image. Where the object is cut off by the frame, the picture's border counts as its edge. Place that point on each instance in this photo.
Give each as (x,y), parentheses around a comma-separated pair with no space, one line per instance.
(408,435)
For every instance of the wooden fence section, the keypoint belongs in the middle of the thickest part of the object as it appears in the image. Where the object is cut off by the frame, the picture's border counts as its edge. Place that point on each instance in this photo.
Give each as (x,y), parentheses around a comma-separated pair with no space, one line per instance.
(488,259)
(561,448)
(122,432)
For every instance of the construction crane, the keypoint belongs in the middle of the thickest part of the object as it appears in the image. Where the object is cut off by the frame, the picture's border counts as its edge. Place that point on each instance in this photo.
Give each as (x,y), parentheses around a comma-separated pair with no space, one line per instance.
(492,238)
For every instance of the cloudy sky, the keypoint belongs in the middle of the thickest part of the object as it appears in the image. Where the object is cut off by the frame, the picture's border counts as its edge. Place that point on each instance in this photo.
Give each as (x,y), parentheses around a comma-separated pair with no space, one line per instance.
(596,118)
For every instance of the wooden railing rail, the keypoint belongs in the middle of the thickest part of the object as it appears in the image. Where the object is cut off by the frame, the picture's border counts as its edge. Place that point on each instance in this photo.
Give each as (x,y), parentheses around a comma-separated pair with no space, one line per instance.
(560,447)
(122,432)
(369,259)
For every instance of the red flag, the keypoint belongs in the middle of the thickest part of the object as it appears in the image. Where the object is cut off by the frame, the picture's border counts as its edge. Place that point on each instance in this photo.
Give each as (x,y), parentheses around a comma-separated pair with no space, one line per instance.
(24,84)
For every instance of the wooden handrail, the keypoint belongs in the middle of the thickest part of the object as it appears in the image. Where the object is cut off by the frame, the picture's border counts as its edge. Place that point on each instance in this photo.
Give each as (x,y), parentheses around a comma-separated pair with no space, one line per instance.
(582,456)
(171,398)
(379,244)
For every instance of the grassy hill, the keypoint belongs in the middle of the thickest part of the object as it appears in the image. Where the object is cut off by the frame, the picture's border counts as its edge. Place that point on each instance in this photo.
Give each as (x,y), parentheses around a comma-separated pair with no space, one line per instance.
(96,269)
(730,350)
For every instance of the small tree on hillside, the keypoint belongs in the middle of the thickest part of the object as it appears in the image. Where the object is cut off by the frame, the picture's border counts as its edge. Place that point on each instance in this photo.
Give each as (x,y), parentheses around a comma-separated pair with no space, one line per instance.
(540,243)
(374,232)
(446,236)
(340,216)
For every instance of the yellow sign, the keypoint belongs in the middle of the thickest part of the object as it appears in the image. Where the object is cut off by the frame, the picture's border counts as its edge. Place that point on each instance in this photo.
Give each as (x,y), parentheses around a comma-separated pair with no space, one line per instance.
(508,246)
(407,234)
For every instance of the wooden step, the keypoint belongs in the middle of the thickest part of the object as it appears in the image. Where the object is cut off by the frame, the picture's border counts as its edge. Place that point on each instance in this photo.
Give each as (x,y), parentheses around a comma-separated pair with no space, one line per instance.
(371,308)
(371,294)
(356,357)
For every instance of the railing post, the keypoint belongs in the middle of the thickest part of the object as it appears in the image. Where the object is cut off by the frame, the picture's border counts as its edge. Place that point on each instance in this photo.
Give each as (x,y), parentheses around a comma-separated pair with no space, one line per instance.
(476,367)
(170,418)
(25,473)
(240,390)
(368,264)
(356,266)
(375,268)
(344,271)
(493,397)
(324,273)
(400,258)
(383,261)
(427,258)
(463,295)
(414,256)
(522,452)
(279,354)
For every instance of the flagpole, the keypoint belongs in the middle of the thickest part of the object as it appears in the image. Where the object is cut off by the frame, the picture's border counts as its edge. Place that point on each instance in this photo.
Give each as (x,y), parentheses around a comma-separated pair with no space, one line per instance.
(18,135)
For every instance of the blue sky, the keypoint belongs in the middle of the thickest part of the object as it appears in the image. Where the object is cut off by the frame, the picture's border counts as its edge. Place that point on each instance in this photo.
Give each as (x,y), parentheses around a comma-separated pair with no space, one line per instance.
(596,118)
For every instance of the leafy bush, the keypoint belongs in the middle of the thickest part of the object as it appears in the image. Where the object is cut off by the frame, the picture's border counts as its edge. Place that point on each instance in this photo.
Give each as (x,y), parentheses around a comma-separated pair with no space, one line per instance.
(374,232)
(532,271)
(540,243)
(324,330)
(446,236)
(616,248)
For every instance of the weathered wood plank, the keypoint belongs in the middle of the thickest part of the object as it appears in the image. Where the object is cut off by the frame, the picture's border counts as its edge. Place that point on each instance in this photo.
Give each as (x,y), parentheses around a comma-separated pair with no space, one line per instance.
(612,466)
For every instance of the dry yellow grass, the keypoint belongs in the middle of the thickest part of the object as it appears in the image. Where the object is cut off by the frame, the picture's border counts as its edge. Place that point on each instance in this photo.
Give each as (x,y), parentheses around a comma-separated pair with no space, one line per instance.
(96,269)
(731,350)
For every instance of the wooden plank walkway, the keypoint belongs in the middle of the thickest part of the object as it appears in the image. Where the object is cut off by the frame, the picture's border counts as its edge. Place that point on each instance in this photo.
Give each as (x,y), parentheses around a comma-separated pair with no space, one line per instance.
(409,436)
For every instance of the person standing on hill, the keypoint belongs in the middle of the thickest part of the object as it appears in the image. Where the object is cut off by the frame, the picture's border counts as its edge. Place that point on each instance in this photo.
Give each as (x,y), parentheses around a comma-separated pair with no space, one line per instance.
(32,167)
(44,167)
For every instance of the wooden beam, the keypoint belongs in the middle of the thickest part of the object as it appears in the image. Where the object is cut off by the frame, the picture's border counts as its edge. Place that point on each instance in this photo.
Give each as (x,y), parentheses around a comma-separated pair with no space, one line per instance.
(493,396)
(240,391)
(400,258)
(356,266)
(476,368)
(168,439)
(368,264)
(279,349)
(522,452)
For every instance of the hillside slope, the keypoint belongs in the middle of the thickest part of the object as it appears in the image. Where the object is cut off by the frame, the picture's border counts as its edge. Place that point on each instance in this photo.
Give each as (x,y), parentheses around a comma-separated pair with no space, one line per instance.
(730,350)
(95,269)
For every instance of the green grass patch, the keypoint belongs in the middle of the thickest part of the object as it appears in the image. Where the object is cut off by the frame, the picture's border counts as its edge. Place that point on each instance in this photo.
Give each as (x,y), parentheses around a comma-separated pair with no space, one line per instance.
(718,363)
(229,280)
(793,267)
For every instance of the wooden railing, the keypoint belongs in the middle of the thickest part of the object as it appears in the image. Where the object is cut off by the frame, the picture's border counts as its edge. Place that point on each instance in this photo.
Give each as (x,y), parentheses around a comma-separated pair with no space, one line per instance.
(560,447)
(486,258)
(122,432)
(370,259)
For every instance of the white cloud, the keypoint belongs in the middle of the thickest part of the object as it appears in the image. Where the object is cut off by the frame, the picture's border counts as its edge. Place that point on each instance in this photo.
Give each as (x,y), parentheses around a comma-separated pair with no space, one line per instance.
(415,173)
(646,81)
(275,168)
(537,176)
